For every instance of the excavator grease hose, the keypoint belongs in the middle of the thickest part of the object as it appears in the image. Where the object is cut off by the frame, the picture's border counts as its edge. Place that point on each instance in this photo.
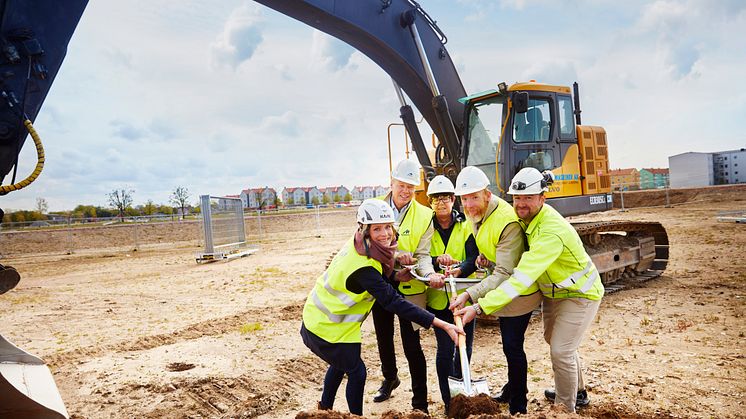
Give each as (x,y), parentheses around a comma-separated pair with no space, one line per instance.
(39,162)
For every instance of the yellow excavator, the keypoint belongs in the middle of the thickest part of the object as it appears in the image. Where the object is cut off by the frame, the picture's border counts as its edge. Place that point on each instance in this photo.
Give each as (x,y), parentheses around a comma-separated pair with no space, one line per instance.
(500,131)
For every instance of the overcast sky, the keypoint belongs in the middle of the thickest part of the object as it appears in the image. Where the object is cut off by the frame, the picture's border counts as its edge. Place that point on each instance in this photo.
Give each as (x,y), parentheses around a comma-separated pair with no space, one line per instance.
(219,96)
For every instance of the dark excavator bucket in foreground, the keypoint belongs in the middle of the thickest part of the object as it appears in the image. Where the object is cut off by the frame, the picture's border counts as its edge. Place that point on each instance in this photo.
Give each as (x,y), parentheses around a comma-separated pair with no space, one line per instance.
(27,388)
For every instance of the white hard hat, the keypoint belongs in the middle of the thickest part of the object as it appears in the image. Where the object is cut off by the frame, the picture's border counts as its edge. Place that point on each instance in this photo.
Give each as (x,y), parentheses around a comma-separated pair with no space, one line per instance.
(471,180)
(407,171)
(529,181)
(374,211)
(440,185)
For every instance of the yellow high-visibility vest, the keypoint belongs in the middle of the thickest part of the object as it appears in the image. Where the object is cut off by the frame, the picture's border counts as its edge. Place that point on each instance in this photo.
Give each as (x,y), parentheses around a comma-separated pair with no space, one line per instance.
(332,312)
(437,298)
(556,260)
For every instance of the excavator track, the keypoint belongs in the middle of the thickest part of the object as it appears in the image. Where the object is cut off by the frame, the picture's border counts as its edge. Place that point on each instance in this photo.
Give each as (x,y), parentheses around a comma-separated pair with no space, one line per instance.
(625,252)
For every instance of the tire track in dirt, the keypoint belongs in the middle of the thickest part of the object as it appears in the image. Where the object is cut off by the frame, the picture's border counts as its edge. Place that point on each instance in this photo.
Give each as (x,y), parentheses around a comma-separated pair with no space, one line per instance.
(212,327)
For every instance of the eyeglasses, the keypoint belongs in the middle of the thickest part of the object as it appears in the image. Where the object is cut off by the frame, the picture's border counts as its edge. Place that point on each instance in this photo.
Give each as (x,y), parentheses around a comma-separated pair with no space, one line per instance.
(442,198)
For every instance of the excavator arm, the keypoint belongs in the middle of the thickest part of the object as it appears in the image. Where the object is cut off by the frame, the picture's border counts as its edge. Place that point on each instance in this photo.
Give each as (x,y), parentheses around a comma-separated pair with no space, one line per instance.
(408,45)
(33,42)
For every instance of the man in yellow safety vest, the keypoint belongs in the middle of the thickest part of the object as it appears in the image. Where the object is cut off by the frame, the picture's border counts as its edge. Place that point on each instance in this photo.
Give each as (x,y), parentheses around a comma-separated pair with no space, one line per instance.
(414,226)
(557,262)
(501,243)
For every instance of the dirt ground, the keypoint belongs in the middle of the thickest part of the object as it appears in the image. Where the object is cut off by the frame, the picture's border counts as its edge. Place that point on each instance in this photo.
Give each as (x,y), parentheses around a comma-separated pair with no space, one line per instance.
(153,334)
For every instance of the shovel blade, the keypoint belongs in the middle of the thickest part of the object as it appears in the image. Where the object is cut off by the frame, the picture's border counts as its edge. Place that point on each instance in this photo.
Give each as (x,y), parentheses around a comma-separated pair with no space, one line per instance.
(458,386)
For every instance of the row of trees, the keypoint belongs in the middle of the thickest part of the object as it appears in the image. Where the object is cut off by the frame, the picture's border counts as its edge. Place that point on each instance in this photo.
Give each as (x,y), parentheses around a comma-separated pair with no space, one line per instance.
(120,200)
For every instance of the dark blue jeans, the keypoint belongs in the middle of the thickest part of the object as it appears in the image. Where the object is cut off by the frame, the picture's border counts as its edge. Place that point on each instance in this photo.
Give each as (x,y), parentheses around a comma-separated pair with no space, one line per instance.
(447,359)
(343,358)
(513,330)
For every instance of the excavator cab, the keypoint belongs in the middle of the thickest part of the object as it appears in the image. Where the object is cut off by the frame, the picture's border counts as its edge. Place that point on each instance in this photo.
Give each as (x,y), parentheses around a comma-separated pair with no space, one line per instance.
(532,125)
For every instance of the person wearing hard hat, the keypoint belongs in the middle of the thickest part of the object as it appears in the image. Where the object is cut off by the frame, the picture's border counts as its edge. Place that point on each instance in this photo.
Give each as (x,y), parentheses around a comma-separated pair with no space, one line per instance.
(501,242)
(453,246)
(414,226)
(569,282)
(360,274)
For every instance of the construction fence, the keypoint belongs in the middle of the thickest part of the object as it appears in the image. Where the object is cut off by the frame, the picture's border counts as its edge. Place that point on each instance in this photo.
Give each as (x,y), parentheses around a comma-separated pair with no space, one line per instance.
(111,235)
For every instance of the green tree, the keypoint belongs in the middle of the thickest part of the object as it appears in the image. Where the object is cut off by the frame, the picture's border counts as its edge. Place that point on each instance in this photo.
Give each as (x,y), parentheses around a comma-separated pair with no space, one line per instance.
(149,208)
(336,198)
(347,197)
(165,209)
(315,200)
(325,199)
(290,201)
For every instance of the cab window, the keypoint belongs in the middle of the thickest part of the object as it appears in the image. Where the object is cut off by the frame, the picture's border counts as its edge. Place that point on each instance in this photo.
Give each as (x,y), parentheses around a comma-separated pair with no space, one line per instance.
(533,126)
(567,124)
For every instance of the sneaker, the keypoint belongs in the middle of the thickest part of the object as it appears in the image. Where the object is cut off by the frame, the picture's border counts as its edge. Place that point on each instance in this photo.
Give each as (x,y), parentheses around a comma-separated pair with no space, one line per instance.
(581,400)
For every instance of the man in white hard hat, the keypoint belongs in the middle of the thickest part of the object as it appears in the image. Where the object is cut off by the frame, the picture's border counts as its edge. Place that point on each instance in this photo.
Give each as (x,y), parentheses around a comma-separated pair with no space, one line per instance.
(452,245)
(500,239)
(414,225)
(569,282)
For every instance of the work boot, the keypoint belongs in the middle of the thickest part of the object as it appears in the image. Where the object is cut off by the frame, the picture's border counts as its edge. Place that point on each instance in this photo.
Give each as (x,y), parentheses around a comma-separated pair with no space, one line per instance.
(503,396)
(386,388)
(319,406)
(582,399)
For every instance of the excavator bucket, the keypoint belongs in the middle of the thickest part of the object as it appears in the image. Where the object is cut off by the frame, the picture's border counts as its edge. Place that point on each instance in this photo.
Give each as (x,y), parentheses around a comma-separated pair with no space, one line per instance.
(27,388)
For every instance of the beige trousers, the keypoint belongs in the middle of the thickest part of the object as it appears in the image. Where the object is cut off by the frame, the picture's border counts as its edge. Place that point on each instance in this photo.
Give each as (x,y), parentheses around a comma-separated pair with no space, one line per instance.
(565,323)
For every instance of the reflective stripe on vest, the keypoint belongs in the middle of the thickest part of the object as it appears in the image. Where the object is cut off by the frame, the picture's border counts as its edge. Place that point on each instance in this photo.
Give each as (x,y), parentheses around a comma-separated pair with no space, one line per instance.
(572,274)
(575,279)
(331,311)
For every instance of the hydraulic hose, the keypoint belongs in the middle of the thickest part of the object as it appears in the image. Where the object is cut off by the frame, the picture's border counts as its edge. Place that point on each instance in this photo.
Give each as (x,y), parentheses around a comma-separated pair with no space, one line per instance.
(39,162)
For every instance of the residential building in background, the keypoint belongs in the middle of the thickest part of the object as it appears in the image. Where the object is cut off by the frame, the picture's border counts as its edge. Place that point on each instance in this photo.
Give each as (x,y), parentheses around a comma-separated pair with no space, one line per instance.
(303,195)
(653,178)
(625,179)
(361,193)
(729,166)
(382,190)
(694,169)
(259,197)
(335,193)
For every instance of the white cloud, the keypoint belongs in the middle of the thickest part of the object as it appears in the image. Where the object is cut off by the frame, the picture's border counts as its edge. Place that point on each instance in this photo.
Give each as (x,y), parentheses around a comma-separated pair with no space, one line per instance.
(295,114)
(329,53)
(240,38)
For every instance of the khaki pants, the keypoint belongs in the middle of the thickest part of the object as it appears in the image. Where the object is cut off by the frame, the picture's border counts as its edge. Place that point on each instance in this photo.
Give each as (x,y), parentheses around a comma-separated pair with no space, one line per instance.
(565,323)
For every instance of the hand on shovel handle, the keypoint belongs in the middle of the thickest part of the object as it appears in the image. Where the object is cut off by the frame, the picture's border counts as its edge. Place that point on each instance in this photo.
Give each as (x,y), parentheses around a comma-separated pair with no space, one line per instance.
(454,331)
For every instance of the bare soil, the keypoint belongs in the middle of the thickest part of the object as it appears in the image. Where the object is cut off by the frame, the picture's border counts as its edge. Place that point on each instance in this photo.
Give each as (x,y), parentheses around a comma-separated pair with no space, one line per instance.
(152,334)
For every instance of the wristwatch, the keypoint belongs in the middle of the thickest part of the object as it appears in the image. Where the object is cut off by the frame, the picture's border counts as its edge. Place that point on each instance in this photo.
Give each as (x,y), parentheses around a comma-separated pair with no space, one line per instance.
(478,309)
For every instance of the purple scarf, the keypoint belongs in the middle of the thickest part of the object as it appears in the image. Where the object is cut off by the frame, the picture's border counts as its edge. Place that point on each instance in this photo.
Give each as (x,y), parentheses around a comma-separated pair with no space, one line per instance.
(371,249)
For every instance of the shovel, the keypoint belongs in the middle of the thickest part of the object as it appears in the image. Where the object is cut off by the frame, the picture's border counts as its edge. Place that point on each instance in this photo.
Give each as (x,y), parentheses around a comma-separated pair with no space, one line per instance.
(464,385)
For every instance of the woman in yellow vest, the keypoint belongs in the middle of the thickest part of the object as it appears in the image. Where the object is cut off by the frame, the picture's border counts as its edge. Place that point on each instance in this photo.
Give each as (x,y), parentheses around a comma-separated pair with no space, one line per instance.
(452,243)
(343,296)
